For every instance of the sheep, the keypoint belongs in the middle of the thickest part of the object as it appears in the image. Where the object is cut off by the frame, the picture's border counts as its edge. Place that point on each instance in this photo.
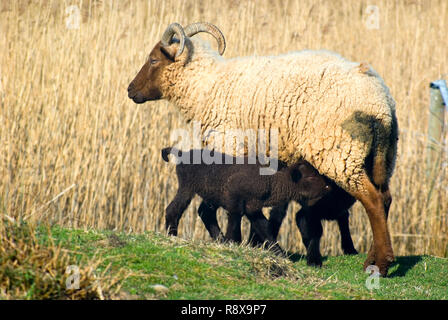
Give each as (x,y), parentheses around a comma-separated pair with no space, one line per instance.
(239,188)
(336,114)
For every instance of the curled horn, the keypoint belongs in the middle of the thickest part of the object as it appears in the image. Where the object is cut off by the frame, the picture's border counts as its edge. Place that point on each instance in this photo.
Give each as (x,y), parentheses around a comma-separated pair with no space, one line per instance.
(167,37)
(197,27)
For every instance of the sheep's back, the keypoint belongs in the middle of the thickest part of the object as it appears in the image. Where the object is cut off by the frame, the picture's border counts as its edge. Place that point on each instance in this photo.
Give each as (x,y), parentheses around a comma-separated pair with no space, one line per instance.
(315,100)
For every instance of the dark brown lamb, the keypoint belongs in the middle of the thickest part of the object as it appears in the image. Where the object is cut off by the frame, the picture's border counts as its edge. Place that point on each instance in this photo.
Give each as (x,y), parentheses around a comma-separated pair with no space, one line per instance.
(241,190)
(333,205)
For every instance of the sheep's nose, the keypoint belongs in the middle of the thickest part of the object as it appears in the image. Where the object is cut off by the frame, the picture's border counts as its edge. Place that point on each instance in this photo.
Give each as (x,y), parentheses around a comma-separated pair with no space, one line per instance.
(131,91)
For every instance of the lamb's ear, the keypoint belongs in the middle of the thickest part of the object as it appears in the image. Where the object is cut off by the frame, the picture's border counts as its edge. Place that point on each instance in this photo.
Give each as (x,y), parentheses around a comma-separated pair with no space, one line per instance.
(296,175)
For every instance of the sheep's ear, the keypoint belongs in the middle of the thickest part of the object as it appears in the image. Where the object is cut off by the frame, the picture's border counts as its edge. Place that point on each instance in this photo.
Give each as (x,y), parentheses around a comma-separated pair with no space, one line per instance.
(169,52)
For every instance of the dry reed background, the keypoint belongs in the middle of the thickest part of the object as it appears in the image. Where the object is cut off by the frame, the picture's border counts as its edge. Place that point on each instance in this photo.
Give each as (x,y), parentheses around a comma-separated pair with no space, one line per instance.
(76,151)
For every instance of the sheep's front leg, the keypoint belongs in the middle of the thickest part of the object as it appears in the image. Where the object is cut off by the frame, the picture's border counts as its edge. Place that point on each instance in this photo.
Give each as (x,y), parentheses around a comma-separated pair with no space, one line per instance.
(262,230)
(311,229)
(175,210)
(346,238)
(208,215)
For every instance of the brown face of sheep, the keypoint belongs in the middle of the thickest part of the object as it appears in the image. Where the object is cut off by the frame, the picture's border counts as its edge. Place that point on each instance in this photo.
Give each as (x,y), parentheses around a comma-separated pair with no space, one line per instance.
(146,84)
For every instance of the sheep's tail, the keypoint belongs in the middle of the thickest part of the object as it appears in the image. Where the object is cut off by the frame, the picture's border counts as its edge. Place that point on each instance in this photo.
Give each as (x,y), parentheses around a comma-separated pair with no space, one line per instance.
(384,151)
(166,152)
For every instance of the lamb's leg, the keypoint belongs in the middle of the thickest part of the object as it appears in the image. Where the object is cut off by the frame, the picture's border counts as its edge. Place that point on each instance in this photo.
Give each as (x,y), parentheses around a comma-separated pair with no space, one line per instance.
(208,215)
(254,238)
(372,200)
(311,229)
(276,217)
(262,230)
(233,232)
(344,229)
(175,210)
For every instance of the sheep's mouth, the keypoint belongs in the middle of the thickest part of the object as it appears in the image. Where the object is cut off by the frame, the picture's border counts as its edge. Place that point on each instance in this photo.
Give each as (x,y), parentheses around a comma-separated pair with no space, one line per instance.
(139,99)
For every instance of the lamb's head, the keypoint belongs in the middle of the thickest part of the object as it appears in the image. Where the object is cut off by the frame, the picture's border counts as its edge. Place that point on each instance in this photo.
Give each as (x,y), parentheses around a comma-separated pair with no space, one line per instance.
(311,186)
(146,85)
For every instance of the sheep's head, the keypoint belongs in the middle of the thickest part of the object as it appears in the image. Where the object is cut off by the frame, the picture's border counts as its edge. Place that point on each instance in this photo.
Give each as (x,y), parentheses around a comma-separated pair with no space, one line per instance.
(146,84)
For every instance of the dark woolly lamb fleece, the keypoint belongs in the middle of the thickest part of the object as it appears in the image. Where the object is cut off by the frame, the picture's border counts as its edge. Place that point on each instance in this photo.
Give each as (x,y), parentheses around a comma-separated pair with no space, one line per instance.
(239,189)
(333,206)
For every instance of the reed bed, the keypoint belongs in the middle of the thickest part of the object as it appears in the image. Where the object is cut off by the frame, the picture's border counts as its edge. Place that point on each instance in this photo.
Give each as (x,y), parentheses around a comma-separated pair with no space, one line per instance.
(76,151)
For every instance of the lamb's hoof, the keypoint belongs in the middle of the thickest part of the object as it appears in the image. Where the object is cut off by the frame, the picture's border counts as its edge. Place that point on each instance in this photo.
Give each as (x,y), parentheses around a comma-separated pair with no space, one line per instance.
(350,251)
(314,262)
(277,250)
(230,241)
(172,233)
(221,238)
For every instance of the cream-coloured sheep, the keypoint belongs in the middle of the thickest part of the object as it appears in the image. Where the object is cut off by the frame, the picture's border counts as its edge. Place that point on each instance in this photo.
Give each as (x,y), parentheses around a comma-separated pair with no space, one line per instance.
(336,114)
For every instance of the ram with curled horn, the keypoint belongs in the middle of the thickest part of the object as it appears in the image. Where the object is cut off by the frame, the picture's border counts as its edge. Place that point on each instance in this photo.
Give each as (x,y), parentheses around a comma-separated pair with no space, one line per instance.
(336,114)
(149,83)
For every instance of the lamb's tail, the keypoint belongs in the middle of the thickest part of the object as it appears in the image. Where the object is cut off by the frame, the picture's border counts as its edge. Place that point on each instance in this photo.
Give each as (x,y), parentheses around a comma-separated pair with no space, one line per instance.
(166,152)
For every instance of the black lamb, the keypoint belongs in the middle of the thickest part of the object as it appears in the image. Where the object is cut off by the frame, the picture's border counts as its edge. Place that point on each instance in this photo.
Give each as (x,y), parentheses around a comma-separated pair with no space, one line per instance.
(241,190)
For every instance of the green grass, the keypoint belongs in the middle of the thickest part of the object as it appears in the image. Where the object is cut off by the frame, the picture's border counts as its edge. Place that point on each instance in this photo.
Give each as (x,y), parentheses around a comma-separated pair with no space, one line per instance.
(201,270)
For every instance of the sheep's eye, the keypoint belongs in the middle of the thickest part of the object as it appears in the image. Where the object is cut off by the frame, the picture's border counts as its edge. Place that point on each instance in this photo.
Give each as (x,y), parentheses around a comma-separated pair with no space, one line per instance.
(153,61)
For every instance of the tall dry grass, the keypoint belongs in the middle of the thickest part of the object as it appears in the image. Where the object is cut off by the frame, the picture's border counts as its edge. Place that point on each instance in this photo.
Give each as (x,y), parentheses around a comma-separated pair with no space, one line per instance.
(76,151)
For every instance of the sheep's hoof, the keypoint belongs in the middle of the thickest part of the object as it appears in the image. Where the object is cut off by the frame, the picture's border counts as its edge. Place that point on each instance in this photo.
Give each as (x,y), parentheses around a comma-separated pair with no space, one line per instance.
(369,262)
(381,268)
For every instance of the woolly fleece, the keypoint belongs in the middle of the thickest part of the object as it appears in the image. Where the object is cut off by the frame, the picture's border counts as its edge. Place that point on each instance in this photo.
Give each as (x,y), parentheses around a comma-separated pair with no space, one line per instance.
(332,112)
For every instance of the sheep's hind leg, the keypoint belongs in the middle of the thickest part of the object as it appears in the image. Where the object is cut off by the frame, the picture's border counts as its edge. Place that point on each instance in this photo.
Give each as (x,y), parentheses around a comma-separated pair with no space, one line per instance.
(208,215)
(346,238)
(372,199)
(175,210)
(387,201)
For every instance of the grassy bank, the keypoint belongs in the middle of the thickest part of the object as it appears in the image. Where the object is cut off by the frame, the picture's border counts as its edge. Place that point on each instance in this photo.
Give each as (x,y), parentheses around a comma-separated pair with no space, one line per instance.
(160,267)
(76,151)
